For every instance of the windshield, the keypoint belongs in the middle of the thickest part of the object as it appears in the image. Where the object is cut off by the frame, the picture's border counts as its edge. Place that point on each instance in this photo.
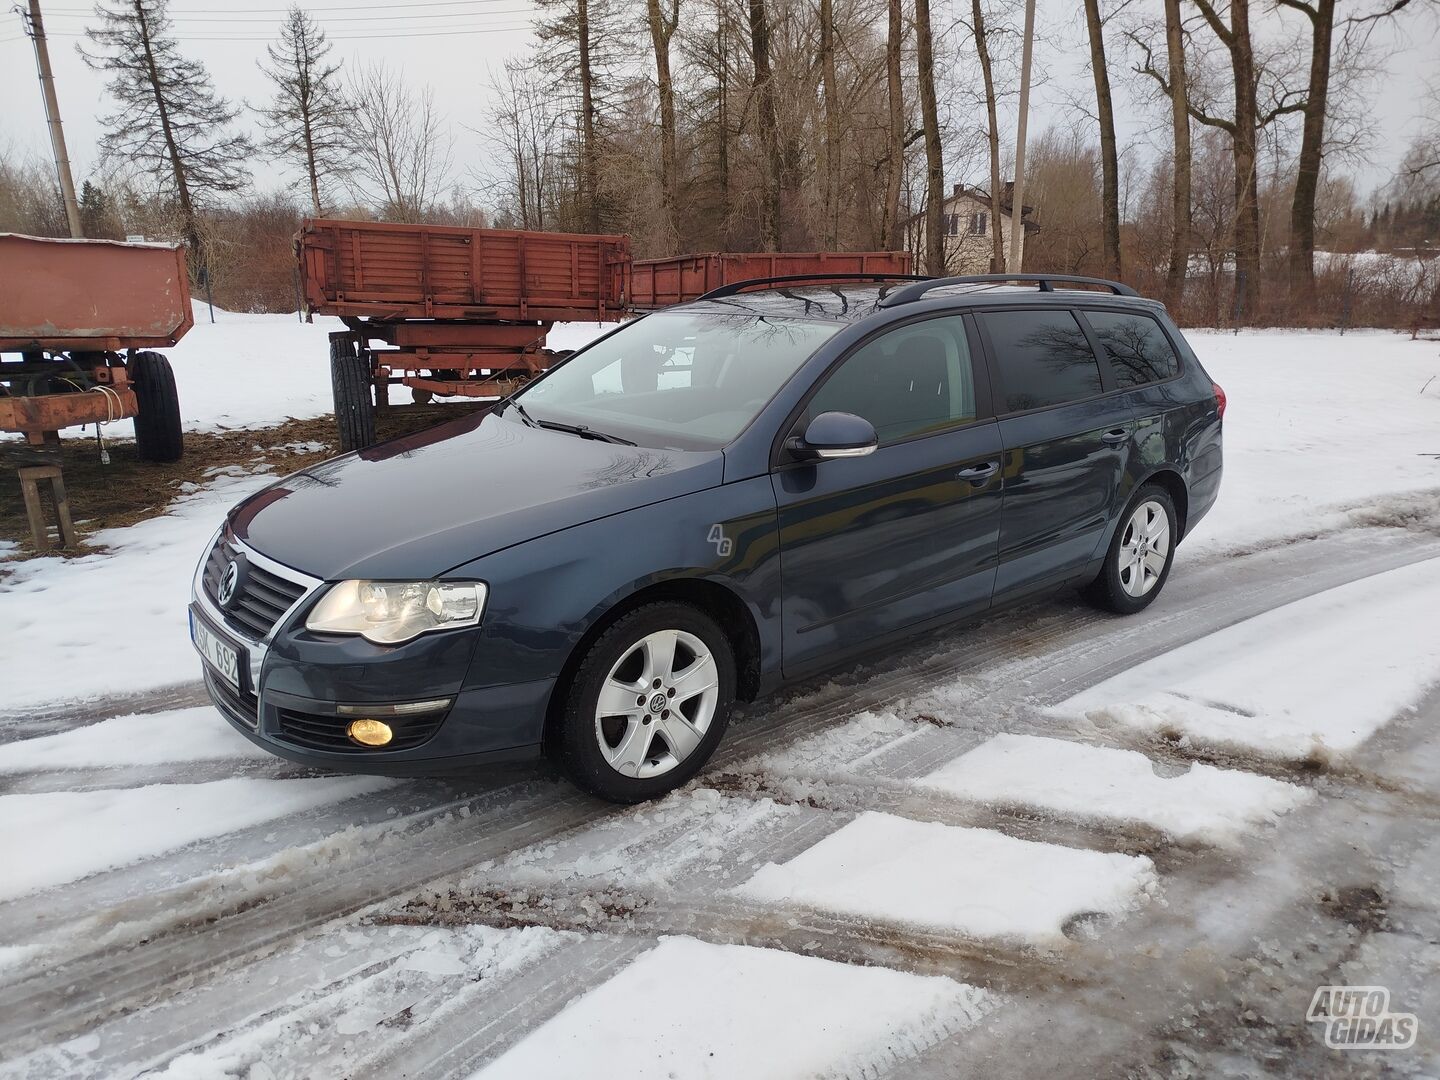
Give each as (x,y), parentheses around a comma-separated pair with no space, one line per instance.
(689,381)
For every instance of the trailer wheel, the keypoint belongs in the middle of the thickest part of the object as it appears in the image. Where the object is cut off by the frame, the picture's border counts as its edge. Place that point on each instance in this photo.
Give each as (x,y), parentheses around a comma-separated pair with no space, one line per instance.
(158,436)
(350,380)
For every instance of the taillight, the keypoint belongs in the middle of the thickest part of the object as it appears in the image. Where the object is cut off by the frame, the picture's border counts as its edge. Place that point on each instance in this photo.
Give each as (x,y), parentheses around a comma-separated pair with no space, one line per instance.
(1219,399)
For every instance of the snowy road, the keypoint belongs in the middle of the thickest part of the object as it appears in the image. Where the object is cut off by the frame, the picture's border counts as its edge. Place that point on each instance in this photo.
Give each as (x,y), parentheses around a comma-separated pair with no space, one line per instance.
(1011,827)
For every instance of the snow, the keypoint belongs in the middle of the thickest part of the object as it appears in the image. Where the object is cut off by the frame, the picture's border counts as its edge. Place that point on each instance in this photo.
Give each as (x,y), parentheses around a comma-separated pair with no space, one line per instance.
(972,882)
(1204,804)
(660,845)
(1309,680)
(1316,422)
(183,735)
(113,622)
(52,838)
(689,1009)
(407,976)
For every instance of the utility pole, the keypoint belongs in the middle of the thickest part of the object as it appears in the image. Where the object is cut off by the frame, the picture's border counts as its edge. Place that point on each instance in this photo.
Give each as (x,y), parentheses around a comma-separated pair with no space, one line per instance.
(35,26)
(1017,206)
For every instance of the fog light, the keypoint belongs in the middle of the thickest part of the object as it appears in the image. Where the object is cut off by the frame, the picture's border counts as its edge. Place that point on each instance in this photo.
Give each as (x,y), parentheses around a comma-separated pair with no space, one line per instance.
(370,732)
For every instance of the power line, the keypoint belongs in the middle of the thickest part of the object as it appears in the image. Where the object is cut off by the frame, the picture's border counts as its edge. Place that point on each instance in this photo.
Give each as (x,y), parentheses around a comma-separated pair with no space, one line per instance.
(345,19)
(379,35)
(87,12)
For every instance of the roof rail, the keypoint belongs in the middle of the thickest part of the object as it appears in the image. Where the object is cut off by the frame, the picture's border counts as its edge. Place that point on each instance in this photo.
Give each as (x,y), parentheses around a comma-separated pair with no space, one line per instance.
(749,283)
(1046,282)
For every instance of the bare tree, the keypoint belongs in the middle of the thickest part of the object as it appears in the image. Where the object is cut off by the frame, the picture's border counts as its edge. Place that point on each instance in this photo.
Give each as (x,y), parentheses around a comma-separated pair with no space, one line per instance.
(831,224)
(982,49)
(525,129)
(1179,95)
(934,154)
(662,29)
(1109,163)
(1321,15)
(1242,127)
(894,230)
(402,149)
(306,118)
(763,86)
(169,122)
(577,48)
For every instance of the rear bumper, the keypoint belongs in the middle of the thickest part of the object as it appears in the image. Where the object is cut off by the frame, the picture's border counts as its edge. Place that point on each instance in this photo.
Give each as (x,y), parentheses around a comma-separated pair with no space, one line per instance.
(1203,492)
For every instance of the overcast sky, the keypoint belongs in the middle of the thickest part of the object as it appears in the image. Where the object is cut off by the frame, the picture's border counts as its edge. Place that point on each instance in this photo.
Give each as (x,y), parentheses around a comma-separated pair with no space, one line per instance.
(453,45)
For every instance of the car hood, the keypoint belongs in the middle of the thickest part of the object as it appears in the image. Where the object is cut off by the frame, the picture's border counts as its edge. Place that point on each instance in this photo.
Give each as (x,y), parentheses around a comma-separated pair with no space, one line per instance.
(418,506)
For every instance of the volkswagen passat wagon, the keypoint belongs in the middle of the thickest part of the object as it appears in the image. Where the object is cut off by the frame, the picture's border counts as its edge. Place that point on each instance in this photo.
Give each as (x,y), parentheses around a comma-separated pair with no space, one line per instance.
(705,503)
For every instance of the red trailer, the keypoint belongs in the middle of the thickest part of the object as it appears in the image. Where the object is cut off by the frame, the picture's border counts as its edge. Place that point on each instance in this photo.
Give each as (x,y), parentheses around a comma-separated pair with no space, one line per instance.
(447,310)
(78,321)
(659,282)
(451,311)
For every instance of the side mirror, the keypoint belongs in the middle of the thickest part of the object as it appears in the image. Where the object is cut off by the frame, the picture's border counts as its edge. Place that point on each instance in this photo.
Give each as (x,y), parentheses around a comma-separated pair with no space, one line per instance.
(836,435)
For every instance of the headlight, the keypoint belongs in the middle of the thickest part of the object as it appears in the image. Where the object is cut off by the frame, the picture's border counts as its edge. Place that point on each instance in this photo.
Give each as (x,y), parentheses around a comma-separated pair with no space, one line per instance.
(389,612)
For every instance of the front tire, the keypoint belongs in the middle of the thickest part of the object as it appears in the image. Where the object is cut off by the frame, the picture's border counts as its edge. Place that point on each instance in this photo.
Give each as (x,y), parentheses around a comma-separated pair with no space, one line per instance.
(648,704)
(1140,556)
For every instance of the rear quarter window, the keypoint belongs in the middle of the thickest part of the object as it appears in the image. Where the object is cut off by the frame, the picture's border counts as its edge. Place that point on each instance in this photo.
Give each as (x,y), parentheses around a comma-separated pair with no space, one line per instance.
(1138,349)
(1044,358)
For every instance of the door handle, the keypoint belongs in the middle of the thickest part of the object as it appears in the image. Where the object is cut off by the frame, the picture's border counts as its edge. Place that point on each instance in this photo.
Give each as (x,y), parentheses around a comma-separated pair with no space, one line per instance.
(978,474)
(1116,437)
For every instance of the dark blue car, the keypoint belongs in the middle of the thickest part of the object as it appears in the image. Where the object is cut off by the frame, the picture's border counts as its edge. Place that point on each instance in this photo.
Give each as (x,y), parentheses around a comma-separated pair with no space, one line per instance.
(705,503)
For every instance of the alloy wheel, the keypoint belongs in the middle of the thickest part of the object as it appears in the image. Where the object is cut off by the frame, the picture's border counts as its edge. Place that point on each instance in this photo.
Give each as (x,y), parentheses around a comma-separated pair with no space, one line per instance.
(657,703)
(1144,548)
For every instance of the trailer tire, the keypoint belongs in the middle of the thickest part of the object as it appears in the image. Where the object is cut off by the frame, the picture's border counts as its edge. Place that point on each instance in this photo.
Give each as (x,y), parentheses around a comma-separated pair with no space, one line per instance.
(354,406)
(158,435)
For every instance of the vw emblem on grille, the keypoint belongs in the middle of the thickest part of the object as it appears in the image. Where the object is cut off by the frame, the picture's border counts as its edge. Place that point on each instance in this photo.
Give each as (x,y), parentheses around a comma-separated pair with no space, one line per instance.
(229,582)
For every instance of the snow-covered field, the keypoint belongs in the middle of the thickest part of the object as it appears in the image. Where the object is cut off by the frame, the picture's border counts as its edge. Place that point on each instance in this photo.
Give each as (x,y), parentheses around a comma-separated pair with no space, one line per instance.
(1048,846)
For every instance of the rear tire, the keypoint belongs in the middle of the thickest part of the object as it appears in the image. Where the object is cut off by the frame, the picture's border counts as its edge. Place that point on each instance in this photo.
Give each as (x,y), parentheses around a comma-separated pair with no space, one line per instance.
(158,434)
(672,728)
(1141,554)
(350,382)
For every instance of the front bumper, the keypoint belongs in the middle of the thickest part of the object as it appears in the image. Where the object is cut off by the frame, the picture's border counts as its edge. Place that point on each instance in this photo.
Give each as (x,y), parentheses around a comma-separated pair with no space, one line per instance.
(292,681)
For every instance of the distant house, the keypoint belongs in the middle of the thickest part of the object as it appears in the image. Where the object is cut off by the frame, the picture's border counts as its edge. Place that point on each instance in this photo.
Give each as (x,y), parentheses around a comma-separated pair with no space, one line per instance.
(970,219)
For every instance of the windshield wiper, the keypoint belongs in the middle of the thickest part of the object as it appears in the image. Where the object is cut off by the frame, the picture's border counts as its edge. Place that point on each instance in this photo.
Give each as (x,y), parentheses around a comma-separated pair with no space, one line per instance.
(524,413)
(583,431)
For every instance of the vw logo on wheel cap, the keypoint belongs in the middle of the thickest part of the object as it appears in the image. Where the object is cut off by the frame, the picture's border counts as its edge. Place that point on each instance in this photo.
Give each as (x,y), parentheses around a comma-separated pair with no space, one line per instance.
(229,583)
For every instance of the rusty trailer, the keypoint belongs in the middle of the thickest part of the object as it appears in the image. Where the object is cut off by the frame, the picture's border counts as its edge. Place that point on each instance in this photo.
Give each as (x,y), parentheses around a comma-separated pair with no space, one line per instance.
(78,321)
(447,310)
(451,311)
(657,283)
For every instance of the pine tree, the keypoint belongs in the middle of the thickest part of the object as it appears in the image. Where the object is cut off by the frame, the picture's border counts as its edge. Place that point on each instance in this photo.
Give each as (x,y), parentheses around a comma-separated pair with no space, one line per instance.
(307,115)
(99,216)
(169,122)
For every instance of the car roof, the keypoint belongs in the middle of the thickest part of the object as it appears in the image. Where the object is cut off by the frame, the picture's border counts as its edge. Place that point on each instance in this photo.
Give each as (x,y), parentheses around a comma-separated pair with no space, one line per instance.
(853,301)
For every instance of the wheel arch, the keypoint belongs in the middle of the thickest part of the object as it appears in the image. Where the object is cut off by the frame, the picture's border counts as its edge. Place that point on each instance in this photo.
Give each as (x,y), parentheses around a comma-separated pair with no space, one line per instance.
(1169,478)
(718,600)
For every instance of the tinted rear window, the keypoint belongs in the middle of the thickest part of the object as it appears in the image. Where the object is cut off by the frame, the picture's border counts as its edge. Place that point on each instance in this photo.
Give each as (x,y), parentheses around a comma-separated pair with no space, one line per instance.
(1044,358)
(1138,349)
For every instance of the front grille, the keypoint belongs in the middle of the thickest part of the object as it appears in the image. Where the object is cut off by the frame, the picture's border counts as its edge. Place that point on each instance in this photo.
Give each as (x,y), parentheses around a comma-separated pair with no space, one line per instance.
(262,598)
(239,705)
(328,732)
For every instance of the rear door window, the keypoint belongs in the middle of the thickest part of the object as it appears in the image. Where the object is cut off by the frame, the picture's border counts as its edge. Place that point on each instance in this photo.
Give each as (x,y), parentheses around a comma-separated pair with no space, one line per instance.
(1138,349)
(1044,358)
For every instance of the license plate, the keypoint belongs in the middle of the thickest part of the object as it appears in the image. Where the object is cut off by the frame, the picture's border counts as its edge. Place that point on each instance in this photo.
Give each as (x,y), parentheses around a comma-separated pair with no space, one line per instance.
(220,656)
